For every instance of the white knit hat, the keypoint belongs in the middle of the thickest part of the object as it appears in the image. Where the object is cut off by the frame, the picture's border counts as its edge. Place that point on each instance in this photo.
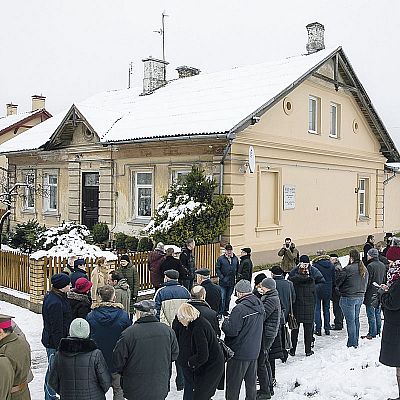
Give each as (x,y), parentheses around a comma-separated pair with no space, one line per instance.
(79,328)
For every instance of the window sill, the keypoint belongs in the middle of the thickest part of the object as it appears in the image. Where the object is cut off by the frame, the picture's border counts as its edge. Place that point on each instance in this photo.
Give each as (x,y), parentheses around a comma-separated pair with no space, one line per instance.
(314,132)
(28,211)
(267,228)
(334,137)
(51,214)
(364,219)
(139,221)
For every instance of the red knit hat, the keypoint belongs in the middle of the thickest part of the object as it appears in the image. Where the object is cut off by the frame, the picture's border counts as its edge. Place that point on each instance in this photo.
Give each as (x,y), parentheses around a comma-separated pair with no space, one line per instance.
(82,285)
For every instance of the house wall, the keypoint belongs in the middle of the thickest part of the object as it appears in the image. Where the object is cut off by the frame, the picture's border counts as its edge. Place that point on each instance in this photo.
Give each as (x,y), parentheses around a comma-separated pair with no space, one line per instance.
(392,203)
(323,170)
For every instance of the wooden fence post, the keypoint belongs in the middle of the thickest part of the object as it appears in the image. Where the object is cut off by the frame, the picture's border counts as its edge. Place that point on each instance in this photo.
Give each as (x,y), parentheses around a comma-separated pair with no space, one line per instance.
(36,283)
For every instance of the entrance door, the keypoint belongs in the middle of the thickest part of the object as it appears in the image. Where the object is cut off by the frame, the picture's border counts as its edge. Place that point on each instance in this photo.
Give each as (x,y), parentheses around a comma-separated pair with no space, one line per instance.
(90,198)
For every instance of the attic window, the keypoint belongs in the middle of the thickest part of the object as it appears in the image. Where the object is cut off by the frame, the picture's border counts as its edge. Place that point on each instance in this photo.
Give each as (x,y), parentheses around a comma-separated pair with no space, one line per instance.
(287,105)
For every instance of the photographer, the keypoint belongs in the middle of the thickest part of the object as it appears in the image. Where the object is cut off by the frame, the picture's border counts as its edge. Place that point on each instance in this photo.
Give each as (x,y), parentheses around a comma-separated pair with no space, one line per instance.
(289,254)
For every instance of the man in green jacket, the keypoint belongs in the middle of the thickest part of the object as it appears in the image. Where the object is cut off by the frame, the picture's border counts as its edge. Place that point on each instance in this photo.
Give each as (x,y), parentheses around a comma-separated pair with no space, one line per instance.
(130,273)
(289,254)
(122,290)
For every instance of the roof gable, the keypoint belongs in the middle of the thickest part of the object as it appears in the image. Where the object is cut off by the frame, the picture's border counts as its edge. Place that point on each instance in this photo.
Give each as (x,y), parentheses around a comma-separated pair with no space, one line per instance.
(14,121)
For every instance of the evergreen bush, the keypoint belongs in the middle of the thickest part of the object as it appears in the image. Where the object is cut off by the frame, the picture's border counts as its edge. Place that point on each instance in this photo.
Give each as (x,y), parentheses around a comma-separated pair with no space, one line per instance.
(28,236)
(145,244)
(119,241)
(100,232)
(191,209)
(131,243)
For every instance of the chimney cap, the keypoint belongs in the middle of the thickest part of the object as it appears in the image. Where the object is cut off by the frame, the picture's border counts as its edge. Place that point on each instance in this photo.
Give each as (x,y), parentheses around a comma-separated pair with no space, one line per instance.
(11,105)
(37,96)
(312,24)
(150,58)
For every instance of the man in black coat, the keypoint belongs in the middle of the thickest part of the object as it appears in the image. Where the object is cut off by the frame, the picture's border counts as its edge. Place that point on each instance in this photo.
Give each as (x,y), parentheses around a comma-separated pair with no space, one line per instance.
(337,311)
(56,313)
(369,244)
(243,334)
(272,307)
(78,271)
(213,291)
(133,360)
(170,262)
(376,274)
(306,280)
(245,269)
(186,275)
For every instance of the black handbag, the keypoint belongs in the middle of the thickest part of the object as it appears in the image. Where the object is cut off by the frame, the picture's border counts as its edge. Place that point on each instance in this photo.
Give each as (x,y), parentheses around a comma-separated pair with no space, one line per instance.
(287,341)
(226,350)
(292,322)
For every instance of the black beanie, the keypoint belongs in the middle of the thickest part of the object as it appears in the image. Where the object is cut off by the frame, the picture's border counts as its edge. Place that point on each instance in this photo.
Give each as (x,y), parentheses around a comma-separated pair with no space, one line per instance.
(259,278)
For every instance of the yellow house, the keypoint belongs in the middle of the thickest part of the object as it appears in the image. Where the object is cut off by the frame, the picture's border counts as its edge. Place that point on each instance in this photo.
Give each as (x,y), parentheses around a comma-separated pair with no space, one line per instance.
(296,143)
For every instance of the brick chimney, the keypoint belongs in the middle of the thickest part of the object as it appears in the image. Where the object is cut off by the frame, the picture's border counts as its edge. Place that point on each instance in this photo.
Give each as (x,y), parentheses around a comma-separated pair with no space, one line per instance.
(155,72)
(11,109)
(38,102)
(185,72)
(315,37)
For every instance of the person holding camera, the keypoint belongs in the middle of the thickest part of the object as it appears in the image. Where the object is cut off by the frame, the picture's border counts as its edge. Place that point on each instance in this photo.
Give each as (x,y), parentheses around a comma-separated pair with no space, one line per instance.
(306,281)
(289,254)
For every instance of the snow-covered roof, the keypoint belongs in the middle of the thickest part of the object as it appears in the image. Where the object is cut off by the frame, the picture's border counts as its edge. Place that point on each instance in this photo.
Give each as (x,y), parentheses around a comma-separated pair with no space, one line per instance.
(208,103)
(10,120)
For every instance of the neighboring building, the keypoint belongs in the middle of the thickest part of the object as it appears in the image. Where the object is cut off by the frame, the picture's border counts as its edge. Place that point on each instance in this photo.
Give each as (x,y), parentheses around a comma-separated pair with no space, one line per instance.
(14,123)
(320,152)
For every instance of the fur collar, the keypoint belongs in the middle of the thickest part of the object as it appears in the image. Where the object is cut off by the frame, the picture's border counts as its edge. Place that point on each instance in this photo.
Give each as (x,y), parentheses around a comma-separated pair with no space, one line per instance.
(107,304)
(76,345)
(79,297)
(319,258)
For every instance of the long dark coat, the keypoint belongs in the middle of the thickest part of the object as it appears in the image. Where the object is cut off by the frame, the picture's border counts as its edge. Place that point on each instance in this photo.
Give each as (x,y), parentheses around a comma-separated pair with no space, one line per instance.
(156,258)
(56,313)
(213,295)
(143,356)
(206,359)
(245,269)
(79,371)
(305,287)
(131,275)
(390,345)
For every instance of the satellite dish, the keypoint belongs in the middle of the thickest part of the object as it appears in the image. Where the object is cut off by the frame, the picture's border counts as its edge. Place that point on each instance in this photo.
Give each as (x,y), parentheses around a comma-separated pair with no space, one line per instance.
(252,159)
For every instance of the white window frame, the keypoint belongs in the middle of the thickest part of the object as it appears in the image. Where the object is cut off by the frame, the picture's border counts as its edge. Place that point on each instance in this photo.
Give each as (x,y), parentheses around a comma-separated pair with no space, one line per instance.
(335,125)
(363,194)
(48,185)
(29,191)
(316,100)
(136,188)
(179,171)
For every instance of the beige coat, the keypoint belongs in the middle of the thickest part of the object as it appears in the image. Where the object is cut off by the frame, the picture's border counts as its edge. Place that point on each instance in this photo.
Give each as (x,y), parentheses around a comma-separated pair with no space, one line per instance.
(99,278)
(18,352)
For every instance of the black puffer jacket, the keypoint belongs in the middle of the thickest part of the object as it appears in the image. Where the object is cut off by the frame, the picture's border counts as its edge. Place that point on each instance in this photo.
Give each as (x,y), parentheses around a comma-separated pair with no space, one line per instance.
(80,304)
(350,282)
(78,371)
(305,287)
(272,307)
(244,328)
(390,346)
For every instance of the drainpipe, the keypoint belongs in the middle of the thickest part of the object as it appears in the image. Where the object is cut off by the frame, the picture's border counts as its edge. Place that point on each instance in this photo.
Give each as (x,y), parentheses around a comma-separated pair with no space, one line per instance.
(221,165)
(387,180)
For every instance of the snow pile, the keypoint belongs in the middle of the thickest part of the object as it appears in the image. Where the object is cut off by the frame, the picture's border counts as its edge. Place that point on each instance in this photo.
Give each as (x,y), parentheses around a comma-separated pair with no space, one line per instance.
(70,239)
(171,214)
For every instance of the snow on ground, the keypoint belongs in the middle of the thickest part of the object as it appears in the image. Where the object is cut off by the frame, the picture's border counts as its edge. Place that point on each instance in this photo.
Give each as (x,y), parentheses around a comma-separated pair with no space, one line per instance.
(333,372)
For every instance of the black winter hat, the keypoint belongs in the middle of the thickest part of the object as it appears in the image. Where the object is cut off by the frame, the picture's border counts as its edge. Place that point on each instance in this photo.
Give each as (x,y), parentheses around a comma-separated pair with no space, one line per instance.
(60,281)
(125,257)
(79,262)
(277,270)
(246,250)
(305,259)
(259,278)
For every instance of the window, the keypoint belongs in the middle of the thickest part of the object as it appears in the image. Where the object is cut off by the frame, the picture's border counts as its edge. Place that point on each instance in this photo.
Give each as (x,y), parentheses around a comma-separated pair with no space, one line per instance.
(313,103)
(363,185)
(179,175)
(334,120)
(29,195)
(143,194)
(51,195)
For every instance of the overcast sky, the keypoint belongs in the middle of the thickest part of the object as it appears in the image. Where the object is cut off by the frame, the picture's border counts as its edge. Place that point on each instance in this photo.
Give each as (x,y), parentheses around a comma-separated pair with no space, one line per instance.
(68,50)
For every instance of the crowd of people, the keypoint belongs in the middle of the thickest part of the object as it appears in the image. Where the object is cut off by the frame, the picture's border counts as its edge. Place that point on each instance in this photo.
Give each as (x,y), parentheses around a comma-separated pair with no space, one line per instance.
(98,335)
